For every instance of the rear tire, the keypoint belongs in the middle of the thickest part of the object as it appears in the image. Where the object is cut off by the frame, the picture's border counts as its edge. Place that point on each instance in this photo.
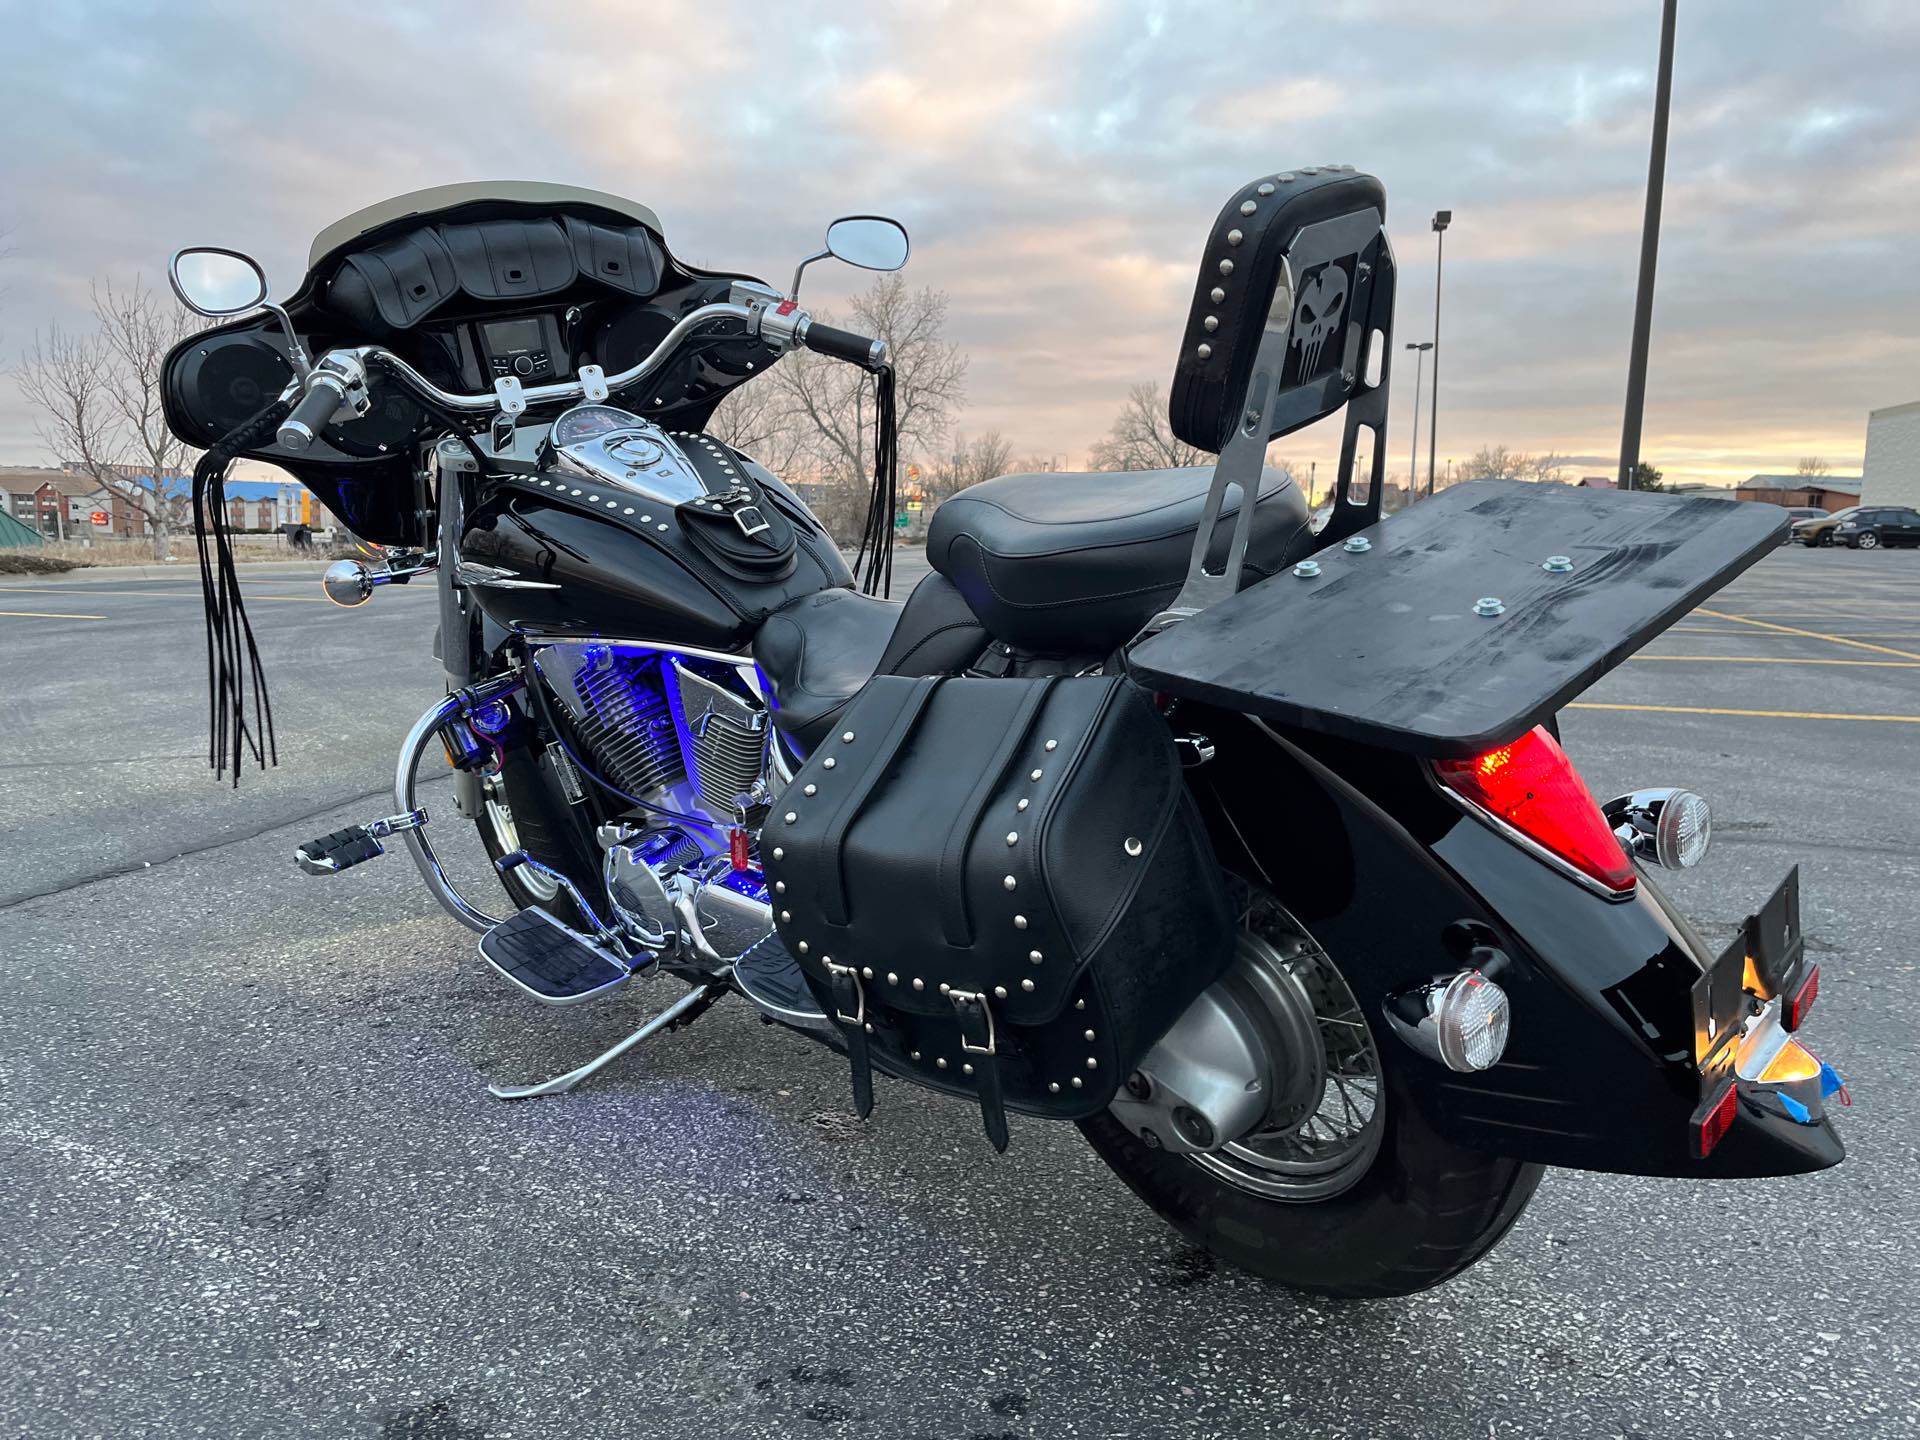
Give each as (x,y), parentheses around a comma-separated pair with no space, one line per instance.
(1868,541)
(1408,1211)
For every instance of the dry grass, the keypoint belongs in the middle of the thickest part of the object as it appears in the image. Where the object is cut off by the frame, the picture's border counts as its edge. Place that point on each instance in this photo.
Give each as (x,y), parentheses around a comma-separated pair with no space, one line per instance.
(110,553)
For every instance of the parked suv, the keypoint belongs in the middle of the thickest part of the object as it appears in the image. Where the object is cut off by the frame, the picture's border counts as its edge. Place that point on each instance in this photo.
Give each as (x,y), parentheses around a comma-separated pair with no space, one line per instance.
(1869,529)
(1819,531)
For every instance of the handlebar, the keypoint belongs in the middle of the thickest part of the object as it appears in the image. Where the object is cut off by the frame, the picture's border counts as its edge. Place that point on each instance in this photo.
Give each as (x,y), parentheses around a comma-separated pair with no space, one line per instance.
(844,345)
(341,374)
(325,394)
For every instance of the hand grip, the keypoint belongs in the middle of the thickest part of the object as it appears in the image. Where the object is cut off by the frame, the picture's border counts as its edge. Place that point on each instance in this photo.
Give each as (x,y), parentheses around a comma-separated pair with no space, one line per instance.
(324,396)
(845,345)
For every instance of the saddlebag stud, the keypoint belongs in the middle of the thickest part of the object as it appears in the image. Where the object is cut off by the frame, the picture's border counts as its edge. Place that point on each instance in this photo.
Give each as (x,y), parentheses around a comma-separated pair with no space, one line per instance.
(1357,545)
(1557,564)
(1489,605)
(1307,569)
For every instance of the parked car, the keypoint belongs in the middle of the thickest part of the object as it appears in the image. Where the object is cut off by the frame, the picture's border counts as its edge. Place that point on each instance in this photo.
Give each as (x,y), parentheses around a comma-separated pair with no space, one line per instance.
(1869,529)
(1796,515)
(1820,531)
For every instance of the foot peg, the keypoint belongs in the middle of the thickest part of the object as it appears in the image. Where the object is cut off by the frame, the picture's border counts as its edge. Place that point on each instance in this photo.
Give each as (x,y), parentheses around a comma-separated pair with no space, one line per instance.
(550,961)
(343,849)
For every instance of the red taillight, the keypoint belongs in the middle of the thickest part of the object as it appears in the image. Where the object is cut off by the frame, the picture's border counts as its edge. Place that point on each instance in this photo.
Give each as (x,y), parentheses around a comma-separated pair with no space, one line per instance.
(1713,1119)
(1802,1000)
(1532,786)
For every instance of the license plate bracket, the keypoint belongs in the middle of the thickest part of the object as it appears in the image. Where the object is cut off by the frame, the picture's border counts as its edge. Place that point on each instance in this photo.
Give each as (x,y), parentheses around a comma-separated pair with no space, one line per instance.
(1764,960)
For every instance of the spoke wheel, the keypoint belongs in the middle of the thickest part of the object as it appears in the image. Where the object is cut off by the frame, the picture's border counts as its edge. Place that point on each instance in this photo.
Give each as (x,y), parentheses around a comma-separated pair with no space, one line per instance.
(506,837)
(1328,1113)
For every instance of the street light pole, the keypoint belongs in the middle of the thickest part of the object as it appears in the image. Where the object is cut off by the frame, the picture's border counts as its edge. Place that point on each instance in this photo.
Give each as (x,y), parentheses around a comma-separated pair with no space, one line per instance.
(1649,253)
(1441,219)
(1413,460)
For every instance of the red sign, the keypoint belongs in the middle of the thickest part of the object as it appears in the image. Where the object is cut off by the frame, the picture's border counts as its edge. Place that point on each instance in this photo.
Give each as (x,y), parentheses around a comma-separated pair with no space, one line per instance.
(100,517)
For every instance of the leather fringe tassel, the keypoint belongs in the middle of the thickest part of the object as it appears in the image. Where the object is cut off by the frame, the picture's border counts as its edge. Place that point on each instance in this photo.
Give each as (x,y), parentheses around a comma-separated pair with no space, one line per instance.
(876,536)
(232,732)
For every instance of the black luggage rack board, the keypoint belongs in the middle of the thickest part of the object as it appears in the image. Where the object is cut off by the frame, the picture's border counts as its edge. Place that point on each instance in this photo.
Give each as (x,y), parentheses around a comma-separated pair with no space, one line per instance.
(1385,646)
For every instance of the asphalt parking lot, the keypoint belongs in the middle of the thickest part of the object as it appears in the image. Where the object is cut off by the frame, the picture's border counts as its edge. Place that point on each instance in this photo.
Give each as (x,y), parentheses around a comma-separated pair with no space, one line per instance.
(251,1182)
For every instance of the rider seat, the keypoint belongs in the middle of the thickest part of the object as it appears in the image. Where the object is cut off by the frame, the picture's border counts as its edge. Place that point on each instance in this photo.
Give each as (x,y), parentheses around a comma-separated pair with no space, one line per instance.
(1051,564)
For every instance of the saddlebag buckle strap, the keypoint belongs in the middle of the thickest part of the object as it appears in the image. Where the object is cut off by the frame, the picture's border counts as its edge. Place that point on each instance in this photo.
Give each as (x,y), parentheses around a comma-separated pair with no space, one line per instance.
(848,991)
(976,1021)
(977,1037)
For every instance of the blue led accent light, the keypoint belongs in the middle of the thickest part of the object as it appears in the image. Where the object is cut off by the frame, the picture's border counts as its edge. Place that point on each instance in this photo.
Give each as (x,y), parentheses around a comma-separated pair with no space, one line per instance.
(491,718)
(750,883)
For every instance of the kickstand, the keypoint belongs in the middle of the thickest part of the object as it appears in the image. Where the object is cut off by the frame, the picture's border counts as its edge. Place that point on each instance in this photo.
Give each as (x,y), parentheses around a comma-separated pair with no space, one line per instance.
(683,1011)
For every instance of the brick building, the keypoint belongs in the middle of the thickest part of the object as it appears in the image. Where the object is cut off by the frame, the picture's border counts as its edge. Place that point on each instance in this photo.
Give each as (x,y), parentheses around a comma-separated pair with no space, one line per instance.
(1822,492)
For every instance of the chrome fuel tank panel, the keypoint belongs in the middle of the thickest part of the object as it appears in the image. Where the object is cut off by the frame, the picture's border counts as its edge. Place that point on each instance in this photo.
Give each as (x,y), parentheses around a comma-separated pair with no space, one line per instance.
(618,448)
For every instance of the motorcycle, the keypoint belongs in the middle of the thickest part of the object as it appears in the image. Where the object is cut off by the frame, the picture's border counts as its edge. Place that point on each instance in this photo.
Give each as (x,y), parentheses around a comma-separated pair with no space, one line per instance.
(1242,842)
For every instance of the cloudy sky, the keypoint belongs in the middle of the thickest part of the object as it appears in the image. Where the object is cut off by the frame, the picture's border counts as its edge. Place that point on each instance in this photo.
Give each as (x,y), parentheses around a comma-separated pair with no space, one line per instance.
(1059,164)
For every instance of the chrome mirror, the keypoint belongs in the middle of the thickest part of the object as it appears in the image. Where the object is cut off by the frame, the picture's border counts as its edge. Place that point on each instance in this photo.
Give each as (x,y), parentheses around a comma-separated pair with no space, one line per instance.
(217,283)
(873,242)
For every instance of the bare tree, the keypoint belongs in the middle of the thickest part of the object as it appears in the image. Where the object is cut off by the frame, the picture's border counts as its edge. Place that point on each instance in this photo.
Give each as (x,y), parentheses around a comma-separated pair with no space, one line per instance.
(1494,462)
(1812,465)
(833,405)
(757,420)
(981,458)
(1142,437)
(1548,469)
(98,398)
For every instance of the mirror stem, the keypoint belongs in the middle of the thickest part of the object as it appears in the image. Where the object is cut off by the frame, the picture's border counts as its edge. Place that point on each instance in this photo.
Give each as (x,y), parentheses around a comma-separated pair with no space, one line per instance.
(793,290)
(302,365)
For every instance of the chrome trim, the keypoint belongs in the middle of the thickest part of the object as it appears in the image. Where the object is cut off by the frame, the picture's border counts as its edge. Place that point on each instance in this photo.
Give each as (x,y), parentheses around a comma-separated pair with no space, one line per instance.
(495,577)
(1527,843)
(1638,822)
(560,390)
(694,1000)
(405,796)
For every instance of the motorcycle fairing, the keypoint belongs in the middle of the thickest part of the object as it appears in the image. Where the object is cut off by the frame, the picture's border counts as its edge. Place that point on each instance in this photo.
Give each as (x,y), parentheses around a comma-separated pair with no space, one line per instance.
(392,272)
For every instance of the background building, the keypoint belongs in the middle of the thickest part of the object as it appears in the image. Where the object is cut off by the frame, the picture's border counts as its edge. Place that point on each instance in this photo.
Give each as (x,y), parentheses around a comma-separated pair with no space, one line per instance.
(1893,455)
(1823,492)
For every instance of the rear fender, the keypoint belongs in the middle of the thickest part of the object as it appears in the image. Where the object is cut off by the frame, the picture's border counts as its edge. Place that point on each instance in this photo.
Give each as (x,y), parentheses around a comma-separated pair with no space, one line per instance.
(1398,885)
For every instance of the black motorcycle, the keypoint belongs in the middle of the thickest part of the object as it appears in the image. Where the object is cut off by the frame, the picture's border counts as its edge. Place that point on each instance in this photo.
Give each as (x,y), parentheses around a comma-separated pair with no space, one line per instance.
(1244,842)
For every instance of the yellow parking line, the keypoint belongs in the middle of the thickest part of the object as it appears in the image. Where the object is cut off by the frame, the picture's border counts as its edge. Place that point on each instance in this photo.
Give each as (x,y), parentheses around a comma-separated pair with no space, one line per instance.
(1757,714)
(1785,660)
(1809,634)
(46,615)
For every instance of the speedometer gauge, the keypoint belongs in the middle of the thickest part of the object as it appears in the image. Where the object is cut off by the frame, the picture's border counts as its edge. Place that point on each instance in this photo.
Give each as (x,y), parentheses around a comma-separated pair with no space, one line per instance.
(589,422)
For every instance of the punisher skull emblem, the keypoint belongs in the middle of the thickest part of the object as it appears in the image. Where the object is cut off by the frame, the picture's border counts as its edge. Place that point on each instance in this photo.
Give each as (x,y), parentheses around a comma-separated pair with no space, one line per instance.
(1317,315)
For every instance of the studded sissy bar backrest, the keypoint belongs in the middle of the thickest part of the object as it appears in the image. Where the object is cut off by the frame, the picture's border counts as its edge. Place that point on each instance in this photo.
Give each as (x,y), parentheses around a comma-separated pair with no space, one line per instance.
(1295,290)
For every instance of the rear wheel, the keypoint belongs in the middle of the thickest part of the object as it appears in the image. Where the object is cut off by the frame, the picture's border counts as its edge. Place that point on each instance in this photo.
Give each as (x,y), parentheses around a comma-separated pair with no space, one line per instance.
(1344,1189)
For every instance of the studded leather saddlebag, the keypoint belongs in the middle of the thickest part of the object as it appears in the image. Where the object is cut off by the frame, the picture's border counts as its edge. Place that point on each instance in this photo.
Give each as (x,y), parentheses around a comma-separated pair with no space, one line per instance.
(998,888)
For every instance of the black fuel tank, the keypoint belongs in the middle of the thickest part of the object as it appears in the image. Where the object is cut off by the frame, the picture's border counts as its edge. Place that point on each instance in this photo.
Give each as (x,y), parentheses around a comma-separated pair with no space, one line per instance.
(628,566)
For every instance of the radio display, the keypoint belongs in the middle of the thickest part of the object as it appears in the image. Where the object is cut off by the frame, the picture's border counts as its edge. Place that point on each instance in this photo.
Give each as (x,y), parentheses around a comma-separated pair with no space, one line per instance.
(509,337)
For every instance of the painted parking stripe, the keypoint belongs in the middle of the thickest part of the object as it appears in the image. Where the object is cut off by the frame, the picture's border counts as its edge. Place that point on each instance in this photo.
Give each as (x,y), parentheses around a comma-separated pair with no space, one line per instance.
(1783,660)
(1754,714)
(1809,634)
(46,615)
